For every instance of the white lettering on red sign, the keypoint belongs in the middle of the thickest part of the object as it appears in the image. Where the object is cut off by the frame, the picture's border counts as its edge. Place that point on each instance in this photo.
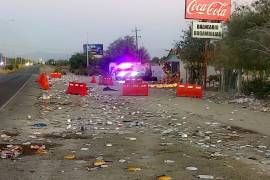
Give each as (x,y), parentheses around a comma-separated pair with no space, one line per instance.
(206,9)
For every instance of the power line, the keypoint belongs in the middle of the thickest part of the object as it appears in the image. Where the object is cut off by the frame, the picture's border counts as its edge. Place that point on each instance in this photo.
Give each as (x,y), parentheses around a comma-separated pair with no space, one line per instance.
(137,37)
(137,41)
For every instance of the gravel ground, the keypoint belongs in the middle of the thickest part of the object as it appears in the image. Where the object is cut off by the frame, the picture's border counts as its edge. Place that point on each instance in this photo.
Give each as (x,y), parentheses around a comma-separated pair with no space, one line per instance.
(136,138)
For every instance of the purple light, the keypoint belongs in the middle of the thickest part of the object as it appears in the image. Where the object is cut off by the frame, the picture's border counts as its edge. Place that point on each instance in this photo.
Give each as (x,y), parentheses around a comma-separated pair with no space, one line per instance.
(125,65)
(134,73)
(122,73)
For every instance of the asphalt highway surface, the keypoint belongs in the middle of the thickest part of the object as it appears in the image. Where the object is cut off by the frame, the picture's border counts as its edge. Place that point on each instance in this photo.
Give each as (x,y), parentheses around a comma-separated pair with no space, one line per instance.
(11,83)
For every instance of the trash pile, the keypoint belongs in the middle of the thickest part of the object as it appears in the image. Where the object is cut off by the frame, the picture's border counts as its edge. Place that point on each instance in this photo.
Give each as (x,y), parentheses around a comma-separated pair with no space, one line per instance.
(249,102)
(14,151)
(11,151)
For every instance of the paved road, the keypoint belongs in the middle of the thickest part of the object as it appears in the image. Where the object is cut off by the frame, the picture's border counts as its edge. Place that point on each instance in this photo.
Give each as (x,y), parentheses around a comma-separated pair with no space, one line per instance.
(11,83)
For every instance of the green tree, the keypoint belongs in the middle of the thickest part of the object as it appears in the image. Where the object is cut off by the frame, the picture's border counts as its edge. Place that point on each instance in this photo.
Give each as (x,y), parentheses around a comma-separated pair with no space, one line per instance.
(78,61)
(192,52)
(124,49)
(246,46)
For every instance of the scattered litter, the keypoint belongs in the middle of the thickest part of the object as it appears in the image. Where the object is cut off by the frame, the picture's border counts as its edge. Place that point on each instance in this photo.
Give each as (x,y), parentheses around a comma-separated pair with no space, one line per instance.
(11,152)
(69,157)
(122,160)
(169,161)
(26,143)
(205,177)
(104,166)
(40,125)
(184,135)
(191,168)
(99,162)
(108,89)
(163,177)
(132,168)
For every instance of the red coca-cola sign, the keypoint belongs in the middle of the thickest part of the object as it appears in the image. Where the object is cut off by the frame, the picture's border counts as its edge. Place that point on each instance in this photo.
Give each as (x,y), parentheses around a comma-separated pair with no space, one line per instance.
(208,9)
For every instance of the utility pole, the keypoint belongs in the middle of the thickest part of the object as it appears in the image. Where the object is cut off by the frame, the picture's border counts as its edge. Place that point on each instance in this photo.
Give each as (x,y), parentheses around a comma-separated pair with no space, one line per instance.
(137,39)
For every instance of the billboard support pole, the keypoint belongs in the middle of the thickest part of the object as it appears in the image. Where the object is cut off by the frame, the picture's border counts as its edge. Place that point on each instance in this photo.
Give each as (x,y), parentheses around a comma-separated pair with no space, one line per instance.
(206,44)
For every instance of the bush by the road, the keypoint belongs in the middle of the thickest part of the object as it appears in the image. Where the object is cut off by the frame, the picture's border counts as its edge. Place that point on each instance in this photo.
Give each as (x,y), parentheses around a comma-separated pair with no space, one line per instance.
(259,88)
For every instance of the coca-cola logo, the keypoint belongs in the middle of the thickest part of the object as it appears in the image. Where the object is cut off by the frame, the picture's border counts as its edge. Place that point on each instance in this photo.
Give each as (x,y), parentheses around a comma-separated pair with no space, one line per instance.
(219,9)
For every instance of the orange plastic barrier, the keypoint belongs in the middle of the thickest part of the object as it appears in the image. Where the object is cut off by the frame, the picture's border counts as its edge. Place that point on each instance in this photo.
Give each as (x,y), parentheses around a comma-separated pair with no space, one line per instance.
(189,90)
(76,88)
(133,88)
(93,80)
(132,81)
(43,82)
(56,75)
(107,81)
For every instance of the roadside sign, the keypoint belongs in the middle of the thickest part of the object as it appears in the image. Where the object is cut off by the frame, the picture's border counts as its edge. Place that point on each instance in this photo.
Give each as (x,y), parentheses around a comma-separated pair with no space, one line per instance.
(94,49)
(206,30)
(219,10)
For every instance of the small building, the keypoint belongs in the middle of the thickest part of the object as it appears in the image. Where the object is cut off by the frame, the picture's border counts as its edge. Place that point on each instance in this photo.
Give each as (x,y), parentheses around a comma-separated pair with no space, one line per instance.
(178,66)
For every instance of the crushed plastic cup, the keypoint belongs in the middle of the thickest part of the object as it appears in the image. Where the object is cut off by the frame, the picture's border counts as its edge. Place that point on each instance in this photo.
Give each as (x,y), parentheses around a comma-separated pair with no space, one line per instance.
(69,157)
(132,168)
(99,162)
(164,177)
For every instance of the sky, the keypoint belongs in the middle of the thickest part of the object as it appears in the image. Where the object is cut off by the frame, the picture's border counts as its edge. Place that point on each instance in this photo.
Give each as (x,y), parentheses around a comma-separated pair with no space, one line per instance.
(29,27)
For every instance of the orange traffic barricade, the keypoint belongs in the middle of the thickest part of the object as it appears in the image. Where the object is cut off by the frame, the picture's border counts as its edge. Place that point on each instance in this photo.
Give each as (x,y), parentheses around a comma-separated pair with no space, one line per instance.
(93,80)
(189,90)
(135,88)
(105,80)
(76,88)
(56,75)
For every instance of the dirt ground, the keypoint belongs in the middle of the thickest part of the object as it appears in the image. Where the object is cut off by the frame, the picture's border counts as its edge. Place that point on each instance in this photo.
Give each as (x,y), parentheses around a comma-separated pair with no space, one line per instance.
(156,135)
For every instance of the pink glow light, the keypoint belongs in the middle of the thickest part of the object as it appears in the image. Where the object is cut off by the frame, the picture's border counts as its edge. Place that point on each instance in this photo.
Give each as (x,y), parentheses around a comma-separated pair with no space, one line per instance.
(125,65)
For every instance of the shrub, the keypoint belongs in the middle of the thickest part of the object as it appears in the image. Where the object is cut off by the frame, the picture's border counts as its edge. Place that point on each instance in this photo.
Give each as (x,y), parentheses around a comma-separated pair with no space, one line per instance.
(259,88)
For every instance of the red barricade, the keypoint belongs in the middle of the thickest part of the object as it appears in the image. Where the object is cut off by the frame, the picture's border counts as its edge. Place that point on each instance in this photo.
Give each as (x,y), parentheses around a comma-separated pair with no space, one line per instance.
(93,80)
(76,88)
(135,89)
(198,91)
(181,90)
(107,81)
(56,75)
(132,81)
(189,90)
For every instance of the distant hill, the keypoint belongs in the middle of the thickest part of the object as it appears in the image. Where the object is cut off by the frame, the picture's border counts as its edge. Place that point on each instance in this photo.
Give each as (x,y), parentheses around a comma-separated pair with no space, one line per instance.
(46,55)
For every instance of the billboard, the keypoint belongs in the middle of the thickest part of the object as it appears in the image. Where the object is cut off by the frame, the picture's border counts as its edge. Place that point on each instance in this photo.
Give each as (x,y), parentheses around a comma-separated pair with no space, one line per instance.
(206,30)
(219,10)
(94,49)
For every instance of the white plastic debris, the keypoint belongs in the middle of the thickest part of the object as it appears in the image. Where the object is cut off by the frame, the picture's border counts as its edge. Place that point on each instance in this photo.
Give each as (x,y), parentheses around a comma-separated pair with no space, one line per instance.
(109,122)
(184,135)
(122,160)
(205,177)
(191,168)
(169,161)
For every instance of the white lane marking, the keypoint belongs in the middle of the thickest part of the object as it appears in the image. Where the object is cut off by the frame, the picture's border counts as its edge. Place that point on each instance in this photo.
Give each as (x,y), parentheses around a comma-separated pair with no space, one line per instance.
(10,99)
